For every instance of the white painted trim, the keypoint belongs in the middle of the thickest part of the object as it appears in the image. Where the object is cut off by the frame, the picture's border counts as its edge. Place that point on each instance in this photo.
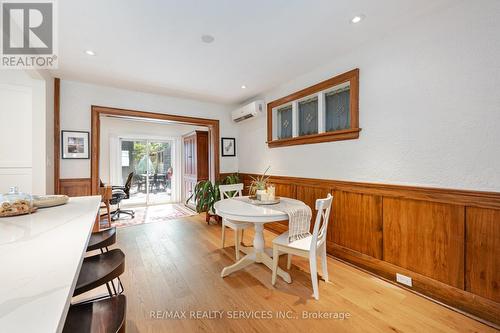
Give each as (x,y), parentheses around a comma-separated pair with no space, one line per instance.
(295,119)
(15,165)
(321,112)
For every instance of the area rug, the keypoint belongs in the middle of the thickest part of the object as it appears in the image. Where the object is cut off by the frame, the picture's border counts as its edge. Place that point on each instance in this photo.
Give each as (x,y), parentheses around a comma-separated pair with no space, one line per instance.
(160,213)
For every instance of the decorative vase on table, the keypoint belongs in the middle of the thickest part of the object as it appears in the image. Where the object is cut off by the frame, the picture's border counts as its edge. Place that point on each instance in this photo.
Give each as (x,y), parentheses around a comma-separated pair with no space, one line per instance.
(258,186)
(261,195)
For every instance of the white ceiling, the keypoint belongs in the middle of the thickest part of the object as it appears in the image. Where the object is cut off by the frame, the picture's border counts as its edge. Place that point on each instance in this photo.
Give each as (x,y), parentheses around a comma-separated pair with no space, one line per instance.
(155,46)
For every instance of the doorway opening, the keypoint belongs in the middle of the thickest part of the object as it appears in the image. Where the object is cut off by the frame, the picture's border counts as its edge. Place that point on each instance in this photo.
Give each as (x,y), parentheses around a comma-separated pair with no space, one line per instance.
(149,188)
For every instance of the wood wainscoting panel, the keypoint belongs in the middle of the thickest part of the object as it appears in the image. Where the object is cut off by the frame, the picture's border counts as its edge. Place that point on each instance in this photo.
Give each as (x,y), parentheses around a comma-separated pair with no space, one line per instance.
(425,237)
(446,240)
(75,187)
(283,189)
(482,252)
(308,195)
(357,222)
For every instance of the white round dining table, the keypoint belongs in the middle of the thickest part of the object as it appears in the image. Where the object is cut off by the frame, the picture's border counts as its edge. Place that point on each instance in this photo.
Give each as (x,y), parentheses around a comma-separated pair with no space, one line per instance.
(241,209)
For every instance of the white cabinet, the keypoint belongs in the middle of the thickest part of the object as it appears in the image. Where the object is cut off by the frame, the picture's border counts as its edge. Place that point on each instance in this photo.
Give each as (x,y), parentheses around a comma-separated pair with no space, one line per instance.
(16,137)
(26,138)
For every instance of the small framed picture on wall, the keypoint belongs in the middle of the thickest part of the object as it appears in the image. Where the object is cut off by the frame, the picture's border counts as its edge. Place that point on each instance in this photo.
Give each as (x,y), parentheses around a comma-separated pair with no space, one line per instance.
(228,146)
(75,145)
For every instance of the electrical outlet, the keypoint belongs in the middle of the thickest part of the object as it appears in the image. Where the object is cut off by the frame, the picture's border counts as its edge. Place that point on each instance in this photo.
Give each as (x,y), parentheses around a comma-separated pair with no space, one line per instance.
(406,280)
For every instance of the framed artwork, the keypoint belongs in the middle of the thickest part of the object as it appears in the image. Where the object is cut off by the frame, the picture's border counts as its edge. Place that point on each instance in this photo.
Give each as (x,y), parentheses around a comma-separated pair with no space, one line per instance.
(75,145)
(228,146)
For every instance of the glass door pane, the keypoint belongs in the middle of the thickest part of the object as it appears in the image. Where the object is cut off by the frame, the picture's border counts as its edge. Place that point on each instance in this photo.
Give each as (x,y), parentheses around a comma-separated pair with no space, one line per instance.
(134,159)
(160,172)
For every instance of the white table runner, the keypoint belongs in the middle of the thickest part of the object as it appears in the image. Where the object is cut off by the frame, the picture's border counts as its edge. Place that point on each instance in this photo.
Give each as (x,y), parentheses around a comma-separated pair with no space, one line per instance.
(299,217)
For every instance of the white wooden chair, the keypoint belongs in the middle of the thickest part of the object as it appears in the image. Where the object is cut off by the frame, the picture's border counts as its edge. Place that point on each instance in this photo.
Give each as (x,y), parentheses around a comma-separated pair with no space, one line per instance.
(308,247)
(231,191)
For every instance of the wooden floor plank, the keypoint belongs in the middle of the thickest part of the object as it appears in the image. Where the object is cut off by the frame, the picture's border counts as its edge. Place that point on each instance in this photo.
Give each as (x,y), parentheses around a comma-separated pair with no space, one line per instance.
(176,265)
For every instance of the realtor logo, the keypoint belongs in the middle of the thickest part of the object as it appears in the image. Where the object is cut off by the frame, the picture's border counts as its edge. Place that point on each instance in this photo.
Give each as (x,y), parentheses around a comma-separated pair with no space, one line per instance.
(28,34)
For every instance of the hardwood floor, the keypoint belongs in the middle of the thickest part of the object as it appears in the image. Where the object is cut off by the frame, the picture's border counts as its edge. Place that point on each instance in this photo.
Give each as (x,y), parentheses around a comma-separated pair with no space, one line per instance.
(175,266)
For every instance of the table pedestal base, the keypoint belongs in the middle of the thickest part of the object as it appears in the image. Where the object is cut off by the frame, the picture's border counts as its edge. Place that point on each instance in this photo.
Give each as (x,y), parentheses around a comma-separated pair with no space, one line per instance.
(256,254)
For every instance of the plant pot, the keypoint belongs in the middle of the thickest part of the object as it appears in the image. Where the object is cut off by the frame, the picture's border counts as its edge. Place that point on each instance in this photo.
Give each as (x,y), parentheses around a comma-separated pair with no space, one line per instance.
(261,194)
(209,215)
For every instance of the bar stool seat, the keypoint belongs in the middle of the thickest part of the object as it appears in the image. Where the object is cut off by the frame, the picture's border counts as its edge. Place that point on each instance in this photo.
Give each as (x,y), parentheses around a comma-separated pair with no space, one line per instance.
(102,239)
(100,269)
(104,316)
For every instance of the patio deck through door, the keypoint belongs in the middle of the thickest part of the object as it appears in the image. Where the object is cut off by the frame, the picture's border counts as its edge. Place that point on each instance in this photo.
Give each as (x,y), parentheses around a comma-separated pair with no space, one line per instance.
(152,162)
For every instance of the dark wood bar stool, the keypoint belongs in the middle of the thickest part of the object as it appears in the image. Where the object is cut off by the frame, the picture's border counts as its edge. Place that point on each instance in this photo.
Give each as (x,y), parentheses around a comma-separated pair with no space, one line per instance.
(104,316)
(102,239)
(101,269)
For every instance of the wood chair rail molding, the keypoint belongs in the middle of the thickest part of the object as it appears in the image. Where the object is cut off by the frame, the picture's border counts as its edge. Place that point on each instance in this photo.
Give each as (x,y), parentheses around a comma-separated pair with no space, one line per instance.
(471,198)
(97,111)
(446,240)
(352,132)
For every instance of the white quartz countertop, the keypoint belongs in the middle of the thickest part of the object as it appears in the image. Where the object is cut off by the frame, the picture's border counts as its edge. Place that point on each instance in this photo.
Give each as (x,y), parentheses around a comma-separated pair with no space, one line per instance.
(40,259)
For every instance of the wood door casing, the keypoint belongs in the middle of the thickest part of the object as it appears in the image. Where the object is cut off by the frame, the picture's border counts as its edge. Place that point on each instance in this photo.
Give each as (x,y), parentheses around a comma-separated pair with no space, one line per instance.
(196,161)
(425,237)
(482,260)
(202,155)
(212,126)
(357,222)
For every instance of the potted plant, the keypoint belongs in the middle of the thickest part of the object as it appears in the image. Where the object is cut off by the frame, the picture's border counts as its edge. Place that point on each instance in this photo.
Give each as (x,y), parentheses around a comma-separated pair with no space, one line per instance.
(258,184)
(206,194)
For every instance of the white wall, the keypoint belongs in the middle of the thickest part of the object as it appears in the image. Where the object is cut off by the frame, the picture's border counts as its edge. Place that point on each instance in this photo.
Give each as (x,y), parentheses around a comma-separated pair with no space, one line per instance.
(77,99)
(26,148)
(429,108)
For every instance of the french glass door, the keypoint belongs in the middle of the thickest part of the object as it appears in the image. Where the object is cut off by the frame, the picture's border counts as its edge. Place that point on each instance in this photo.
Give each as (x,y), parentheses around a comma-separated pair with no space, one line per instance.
(151,162)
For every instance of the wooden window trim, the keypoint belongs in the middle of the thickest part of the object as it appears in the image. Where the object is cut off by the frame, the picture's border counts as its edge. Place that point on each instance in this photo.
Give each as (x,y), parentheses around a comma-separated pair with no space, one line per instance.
(351,133)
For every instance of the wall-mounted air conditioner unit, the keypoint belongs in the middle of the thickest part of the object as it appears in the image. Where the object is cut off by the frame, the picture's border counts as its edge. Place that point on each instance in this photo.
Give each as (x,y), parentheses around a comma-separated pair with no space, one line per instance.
(248,111)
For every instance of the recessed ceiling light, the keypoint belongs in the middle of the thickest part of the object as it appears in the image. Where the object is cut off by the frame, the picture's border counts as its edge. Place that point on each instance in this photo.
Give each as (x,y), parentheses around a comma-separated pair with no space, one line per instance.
(243,87)
(358,18)
(207,39)
(90,53)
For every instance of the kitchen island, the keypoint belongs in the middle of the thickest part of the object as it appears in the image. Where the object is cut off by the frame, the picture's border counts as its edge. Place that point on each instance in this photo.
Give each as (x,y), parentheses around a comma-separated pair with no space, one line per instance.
(40,259)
